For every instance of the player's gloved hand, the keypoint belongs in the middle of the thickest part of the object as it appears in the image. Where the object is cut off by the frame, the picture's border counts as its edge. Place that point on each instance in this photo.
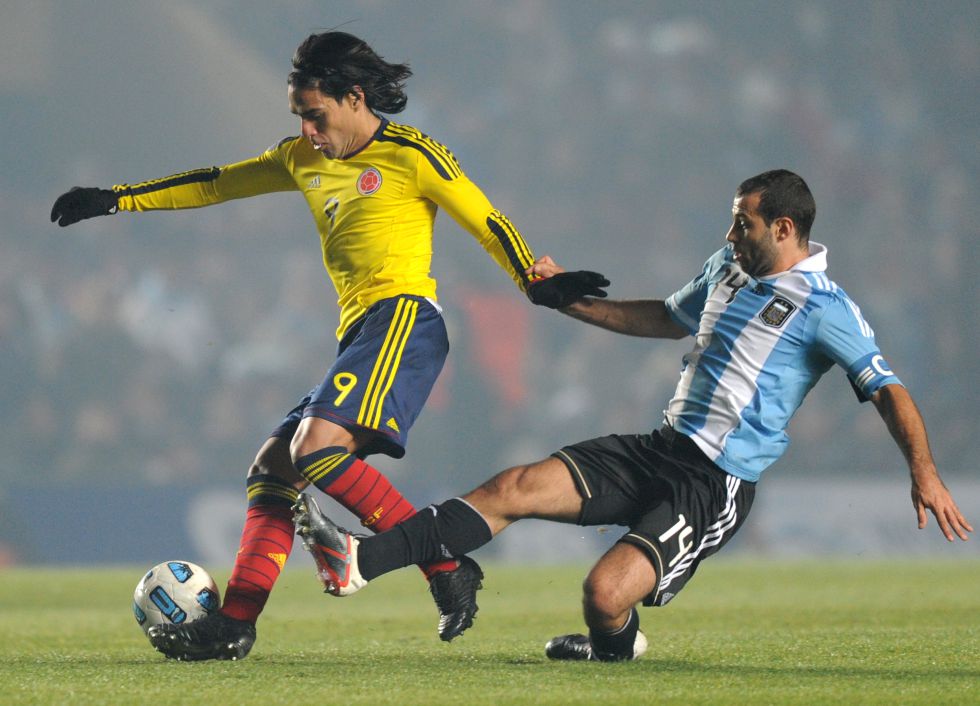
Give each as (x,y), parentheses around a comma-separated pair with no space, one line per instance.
(79,203)
(560,290)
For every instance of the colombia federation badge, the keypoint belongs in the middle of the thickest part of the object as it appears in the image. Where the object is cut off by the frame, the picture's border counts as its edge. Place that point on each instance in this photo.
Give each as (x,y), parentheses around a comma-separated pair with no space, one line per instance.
(369,181)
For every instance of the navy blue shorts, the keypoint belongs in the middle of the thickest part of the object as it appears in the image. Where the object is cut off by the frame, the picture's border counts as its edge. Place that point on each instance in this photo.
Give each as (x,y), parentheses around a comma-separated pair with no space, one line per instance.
(387,363)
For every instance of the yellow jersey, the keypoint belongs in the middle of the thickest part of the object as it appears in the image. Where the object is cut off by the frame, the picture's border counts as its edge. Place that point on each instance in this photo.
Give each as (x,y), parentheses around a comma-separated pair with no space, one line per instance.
(374,209)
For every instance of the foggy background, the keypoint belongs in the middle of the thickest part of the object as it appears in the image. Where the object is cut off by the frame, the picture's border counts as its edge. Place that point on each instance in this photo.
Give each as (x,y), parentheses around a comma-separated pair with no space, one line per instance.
(144,358)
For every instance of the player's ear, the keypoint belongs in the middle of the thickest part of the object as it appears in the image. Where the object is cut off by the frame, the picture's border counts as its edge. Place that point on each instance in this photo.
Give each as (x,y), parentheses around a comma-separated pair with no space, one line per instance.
(356,96)
(784,228)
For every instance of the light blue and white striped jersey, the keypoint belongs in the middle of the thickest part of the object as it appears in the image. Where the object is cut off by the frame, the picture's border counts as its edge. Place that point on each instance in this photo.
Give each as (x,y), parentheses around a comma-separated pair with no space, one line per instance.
(760,346)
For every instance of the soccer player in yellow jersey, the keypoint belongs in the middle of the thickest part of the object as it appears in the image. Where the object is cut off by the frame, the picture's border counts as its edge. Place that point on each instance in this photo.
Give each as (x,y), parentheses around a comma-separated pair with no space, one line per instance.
(373,187)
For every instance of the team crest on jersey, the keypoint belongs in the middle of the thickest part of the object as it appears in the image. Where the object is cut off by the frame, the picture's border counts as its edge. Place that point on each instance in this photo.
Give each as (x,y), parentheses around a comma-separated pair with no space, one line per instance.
(777,311)
(369,181)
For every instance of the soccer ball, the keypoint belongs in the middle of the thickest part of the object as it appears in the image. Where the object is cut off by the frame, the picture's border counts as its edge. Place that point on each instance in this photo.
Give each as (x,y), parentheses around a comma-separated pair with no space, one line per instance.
(174,592)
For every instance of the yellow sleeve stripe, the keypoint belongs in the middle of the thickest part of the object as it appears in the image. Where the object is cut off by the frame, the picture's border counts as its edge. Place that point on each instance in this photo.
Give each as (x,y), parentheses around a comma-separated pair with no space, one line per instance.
(318,470)
(195,176)
(386,365)
(439,156)
(511,241)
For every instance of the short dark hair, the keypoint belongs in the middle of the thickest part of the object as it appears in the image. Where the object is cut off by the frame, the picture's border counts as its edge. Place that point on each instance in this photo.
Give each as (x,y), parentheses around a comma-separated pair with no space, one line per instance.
(782,194)
(335,62)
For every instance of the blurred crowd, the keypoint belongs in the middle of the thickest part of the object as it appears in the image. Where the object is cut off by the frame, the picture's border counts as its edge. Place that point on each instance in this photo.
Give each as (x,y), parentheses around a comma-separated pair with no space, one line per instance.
(162,348)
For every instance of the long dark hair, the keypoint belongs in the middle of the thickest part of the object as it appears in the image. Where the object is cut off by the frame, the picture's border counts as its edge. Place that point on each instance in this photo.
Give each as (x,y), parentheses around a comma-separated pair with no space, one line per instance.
(335,62)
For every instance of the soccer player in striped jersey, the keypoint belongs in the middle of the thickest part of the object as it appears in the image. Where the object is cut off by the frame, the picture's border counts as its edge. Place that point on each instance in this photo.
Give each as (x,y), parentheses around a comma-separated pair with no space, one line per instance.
(767,323)
(373,187)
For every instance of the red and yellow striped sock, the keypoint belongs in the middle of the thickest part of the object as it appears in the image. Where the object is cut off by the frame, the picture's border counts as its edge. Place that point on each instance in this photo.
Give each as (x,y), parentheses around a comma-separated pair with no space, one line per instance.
(267,539)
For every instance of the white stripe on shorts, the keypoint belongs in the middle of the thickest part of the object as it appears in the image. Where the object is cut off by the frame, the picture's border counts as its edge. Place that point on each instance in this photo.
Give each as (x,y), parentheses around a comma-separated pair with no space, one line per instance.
(713,536)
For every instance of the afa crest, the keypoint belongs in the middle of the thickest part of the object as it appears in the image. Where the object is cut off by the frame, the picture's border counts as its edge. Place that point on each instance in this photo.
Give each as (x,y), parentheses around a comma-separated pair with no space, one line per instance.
(369,181)
(777,311)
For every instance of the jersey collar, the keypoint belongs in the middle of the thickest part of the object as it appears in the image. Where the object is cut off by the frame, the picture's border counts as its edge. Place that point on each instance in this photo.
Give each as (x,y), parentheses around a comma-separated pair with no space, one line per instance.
(374,137)
(817,260)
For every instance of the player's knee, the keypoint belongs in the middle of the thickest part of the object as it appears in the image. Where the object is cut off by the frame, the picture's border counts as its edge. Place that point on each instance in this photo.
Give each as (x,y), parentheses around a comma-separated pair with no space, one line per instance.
(256,469)
(314,434)
(510,486)
(605,596)
(262,466)
(303,444)
(274,460)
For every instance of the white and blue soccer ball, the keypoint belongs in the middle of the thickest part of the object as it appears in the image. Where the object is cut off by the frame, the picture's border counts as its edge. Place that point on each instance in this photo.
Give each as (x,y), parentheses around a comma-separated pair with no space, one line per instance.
(174,592)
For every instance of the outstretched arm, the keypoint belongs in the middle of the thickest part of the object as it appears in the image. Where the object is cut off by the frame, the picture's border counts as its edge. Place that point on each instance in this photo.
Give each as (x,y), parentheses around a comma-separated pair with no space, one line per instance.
(645,317)
(193,189)
(641,317)
(904,421)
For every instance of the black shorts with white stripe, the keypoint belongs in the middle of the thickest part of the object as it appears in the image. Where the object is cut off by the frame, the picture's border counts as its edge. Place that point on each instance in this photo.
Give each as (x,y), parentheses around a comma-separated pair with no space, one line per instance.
(679,506)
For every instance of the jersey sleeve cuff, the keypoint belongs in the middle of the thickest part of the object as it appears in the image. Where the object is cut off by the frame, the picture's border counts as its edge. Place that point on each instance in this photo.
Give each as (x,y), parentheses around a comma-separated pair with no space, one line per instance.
(680,316)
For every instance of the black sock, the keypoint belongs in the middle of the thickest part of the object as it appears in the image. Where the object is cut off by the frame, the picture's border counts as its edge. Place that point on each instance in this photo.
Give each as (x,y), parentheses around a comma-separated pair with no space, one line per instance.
(617,645)
(438,532)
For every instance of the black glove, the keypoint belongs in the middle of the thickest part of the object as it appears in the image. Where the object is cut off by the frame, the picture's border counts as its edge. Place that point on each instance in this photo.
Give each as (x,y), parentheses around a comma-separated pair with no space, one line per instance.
(562,289)
(80,203)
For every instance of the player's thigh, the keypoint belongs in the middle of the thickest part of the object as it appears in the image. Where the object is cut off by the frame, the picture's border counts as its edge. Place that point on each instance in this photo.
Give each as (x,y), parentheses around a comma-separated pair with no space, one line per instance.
(542,490)
(274,459)
(619,580)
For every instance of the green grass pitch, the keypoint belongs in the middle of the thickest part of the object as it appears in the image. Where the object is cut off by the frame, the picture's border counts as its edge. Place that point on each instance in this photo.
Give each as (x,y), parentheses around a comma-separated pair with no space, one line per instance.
(743,632)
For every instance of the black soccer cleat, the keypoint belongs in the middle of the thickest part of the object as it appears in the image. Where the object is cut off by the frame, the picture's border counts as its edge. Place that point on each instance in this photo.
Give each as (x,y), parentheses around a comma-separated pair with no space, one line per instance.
(334,549)
(455,596)
(577,647)
(569,647)
(214,636)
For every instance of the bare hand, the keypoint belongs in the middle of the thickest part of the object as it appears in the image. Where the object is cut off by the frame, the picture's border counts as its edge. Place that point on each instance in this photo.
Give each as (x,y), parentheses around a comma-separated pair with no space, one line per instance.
(544,267)
(929,493)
